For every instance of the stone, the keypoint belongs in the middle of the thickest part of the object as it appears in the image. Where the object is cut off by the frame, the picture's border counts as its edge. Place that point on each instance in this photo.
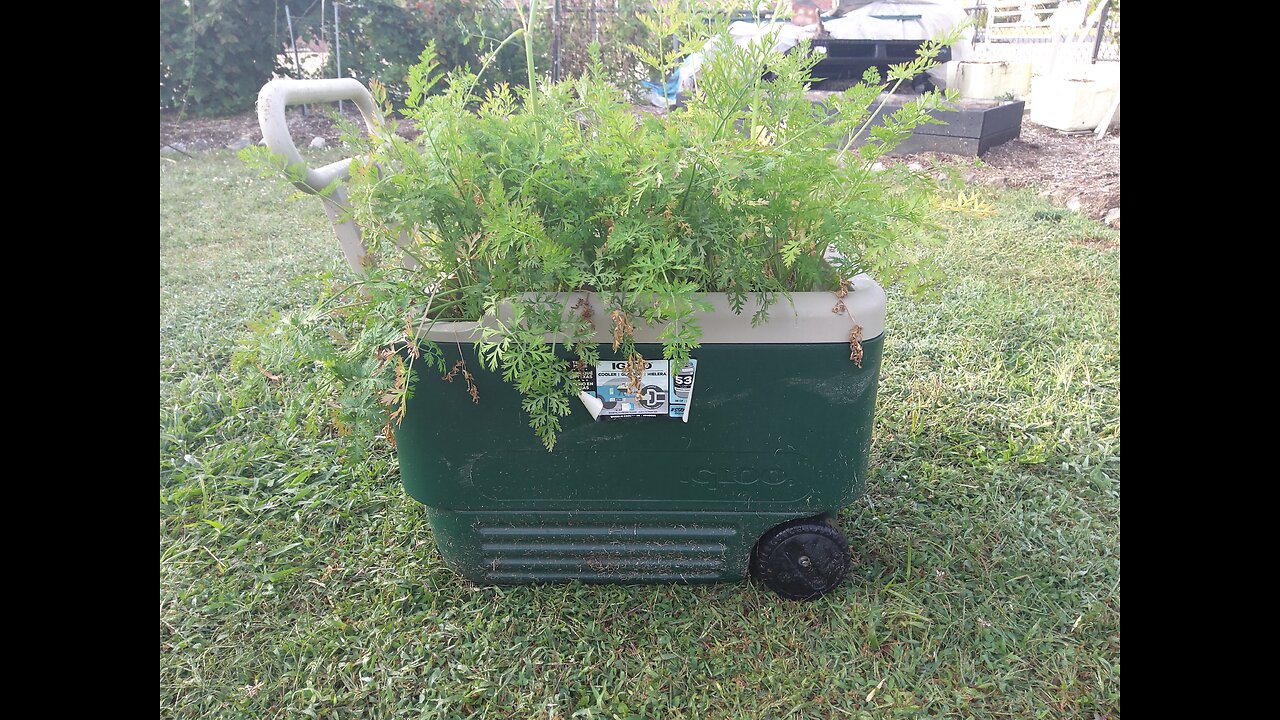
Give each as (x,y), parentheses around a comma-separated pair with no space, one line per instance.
(1074,203)
(318,142)
(1113,218)
(239,143)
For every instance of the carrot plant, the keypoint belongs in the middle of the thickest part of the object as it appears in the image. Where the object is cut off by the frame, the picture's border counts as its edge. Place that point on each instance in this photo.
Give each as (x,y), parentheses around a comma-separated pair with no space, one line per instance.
(509,197)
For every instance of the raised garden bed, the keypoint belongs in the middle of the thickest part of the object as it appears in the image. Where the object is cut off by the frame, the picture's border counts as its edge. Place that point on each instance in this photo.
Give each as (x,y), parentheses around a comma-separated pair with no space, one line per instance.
(973,128)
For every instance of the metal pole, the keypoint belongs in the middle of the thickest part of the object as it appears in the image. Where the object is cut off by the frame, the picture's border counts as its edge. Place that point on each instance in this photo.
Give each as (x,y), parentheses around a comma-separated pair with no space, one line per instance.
(1102,29)
(293,41)
(1105,125)
(555,41)
(337,44)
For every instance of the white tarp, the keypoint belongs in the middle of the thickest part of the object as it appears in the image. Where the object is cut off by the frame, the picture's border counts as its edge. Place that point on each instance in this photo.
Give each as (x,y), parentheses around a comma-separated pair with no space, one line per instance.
(905,20)
(900,20)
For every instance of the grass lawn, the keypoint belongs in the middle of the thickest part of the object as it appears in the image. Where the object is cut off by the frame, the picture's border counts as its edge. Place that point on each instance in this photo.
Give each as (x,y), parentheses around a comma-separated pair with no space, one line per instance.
(298,581)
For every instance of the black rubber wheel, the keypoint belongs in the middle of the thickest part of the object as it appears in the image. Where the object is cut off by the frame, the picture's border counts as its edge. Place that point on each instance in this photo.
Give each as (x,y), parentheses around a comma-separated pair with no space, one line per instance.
(802,559)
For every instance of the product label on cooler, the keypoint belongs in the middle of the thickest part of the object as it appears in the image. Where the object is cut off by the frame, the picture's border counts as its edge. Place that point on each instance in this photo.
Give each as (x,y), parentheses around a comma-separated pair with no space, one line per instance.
(663,393)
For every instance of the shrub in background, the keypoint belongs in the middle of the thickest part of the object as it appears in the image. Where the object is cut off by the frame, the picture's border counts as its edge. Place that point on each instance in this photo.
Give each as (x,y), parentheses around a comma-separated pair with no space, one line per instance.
(382,39)
(216,54)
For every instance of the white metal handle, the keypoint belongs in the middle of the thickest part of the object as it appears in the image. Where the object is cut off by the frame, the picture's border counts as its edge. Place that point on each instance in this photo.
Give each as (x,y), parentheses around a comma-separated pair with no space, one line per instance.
(276,95)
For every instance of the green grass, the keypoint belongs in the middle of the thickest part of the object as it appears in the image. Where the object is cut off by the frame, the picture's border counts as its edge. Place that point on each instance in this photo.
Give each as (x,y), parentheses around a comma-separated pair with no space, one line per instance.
(296,580)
